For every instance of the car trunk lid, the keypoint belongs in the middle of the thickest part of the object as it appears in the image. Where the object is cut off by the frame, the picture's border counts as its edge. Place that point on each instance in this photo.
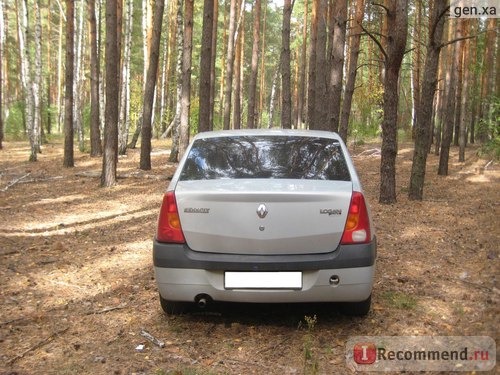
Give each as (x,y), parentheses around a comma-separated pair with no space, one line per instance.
(263,216)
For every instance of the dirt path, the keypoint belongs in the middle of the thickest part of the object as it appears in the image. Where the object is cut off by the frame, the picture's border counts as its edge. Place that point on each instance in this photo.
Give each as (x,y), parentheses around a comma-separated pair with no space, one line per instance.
(78,286)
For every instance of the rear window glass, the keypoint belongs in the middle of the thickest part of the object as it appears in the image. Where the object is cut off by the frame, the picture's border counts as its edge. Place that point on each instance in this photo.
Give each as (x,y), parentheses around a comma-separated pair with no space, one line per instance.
(281,157)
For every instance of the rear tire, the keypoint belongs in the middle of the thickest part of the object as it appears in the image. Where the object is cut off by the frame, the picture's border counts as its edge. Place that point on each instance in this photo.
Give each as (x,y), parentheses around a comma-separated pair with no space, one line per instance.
(174,307)
(356,308)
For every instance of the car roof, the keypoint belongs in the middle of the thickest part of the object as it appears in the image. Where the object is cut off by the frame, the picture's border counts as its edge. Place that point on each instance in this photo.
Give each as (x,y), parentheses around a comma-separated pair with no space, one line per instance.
(267,132)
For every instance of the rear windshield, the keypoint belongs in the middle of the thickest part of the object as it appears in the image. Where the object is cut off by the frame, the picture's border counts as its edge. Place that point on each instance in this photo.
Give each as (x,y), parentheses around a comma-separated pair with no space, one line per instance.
(282,157)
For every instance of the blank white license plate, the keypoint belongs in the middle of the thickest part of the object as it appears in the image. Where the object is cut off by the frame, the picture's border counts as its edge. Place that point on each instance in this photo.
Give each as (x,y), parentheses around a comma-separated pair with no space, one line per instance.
(263,280)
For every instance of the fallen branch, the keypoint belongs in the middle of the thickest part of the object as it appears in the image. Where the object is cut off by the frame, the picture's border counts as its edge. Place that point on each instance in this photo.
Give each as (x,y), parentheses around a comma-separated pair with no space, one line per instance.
(153,339)
(372,152)
(12,183)
(37,346)
(108,309)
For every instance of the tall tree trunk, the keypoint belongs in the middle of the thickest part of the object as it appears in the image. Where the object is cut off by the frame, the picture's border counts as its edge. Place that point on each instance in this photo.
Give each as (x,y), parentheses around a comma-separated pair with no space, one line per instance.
(252,86)
(337,63)
(186,77)
(212,63)
(262,86)
(487,80)
(311,88)
(146,49)
(426,99)
(124,116)
(68,97)
(78,78)
(238,78)
(27,83)
(59,103)
(302,74)
(110,154)
(95,132)
(174,153)
(149,92)
(417,61)
(466,98)
(164,78)
(320,119)
(206,65)
(397,25)
(228,89)
(2,38)
(37,86)
(286,94)
(449,116)
(352,68)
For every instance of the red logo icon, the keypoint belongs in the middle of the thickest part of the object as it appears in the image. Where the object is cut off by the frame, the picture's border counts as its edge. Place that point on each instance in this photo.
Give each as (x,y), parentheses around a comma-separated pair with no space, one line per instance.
(365,353)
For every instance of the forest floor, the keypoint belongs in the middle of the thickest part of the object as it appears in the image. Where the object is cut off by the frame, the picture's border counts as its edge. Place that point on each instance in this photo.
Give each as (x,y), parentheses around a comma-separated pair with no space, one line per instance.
(77,282)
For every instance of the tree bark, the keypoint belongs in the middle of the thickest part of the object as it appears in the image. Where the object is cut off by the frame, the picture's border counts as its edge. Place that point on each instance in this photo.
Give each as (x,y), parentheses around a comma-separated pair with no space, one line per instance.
(124,116)
(205,65)
(337,63)
(2,37)
(149,92)
(68,97)
(212,64)
(466,98)
(238,78)
(487,80)
(286,94)
(35,138)
(397,25)
(426,100)
(95,132)
(174,153)
(311,88)
(110,154)
(320,114)
(228,89)
(252,86)
(352,68)
(302,75)
(186,77)
(449,116)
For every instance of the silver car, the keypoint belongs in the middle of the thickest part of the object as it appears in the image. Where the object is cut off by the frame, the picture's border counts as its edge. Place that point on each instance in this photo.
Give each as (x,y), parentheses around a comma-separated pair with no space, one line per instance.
(265,216)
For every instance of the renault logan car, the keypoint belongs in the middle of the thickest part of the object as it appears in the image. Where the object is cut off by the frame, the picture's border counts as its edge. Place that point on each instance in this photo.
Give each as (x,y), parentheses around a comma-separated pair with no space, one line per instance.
(265,216)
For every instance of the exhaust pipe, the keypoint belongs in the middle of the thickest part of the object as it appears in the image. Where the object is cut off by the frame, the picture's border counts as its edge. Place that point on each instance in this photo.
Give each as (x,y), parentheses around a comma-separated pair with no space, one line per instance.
(202,300)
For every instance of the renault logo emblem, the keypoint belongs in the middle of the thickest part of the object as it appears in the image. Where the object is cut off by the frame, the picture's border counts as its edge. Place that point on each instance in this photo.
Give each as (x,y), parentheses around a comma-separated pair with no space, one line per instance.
(262,210)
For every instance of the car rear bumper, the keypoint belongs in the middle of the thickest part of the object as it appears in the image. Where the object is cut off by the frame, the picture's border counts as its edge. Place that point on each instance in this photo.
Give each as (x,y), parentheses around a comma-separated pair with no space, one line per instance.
(182,284)
(167,255)
(183,274)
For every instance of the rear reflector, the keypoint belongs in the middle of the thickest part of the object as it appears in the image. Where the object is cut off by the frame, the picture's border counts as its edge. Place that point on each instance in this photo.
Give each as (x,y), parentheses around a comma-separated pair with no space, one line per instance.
(357,226)
(169,223)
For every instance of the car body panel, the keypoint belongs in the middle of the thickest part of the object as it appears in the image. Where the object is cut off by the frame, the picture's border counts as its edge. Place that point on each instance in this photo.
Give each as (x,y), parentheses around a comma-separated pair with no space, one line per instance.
(221,215)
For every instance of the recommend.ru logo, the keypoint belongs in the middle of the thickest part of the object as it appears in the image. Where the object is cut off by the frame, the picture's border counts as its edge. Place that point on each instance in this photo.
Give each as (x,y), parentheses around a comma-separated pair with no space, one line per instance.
(421,353)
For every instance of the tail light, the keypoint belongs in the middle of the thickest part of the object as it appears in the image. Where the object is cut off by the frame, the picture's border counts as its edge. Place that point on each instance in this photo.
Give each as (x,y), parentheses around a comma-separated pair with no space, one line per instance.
(169,223)
(357,226)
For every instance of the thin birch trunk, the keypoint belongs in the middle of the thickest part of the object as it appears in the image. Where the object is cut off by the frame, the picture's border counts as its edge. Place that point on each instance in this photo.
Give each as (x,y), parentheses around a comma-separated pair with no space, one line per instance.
(124,117)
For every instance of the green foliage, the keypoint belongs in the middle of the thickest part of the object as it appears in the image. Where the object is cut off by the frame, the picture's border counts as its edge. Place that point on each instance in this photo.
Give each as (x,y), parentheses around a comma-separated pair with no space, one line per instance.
(14,127)
(489,126)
